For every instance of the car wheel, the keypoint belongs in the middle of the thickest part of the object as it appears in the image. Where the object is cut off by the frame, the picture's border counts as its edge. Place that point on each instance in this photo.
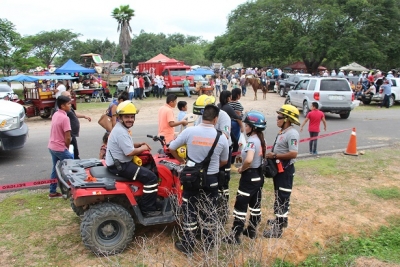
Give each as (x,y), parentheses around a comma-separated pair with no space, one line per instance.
(107,229)
(47,112)
(366,101)
(391,101)
(282,92)
(287,101)
(345,115)
(305,108)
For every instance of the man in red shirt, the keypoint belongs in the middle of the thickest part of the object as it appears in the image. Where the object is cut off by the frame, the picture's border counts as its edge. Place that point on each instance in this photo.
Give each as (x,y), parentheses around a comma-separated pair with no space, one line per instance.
(141,87)
(315,116)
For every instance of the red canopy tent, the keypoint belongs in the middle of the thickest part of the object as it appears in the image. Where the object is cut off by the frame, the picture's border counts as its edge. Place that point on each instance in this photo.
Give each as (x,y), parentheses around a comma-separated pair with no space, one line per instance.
(159,58)
(299,65)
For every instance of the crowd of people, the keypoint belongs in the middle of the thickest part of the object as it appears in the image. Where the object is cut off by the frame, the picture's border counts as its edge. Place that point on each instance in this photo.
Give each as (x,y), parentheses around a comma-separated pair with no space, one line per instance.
(218,127)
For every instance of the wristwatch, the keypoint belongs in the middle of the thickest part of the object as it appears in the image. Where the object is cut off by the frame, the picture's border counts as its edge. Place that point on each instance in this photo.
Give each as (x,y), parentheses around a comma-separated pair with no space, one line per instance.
(274,155)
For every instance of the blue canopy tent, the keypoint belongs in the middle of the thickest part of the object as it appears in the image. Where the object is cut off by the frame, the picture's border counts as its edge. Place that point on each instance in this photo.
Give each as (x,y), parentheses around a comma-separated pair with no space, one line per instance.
(71,67)
(19,78)
(200,71)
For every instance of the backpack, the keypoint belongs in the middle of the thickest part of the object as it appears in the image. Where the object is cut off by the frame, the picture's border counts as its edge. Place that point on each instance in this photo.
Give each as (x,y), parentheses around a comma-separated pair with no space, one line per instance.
(193,175)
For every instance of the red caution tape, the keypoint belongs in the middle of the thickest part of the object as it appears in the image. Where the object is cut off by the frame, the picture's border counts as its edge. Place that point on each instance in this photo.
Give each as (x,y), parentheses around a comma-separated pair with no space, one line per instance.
(27,184)
(308,139)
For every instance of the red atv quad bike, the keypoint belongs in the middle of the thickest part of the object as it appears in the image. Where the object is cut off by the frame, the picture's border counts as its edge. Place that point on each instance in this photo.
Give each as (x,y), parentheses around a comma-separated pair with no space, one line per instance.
(108,204)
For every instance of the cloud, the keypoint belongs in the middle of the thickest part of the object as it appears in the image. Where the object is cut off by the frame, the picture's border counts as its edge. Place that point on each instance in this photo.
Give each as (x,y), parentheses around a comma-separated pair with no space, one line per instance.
(93,19)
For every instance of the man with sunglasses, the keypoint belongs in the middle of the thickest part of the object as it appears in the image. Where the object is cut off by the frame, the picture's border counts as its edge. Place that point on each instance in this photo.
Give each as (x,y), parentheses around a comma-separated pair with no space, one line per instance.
(119,154)
(284,152)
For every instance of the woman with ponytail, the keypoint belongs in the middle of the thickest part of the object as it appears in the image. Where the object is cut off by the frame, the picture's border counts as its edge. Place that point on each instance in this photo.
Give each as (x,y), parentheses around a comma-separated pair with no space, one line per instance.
(251,179)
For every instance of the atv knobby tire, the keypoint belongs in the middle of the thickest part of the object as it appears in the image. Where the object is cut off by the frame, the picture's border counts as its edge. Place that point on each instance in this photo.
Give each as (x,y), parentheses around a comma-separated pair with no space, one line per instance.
(107,229)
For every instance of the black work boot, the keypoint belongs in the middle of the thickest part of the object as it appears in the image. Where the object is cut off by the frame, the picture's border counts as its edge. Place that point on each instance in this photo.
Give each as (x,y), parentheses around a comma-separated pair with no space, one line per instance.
(274,232)
(250,232)
(271,222)
(232,238)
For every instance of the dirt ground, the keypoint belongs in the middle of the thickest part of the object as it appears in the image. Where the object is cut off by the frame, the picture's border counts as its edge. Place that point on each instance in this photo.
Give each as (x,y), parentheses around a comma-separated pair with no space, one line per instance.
(323,208)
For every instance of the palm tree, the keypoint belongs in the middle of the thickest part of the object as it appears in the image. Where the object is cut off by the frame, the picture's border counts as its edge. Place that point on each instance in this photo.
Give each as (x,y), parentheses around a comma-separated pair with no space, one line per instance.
(123,15)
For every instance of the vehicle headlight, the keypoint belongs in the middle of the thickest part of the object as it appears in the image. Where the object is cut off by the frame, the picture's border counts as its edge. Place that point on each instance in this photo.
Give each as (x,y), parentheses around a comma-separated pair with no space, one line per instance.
(8,123)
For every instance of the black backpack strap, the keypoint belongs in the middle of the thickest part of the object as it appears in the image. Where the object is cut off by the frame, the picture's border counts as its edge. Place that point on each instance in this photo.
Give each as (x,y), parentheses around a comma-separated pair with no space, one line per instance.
(207,160)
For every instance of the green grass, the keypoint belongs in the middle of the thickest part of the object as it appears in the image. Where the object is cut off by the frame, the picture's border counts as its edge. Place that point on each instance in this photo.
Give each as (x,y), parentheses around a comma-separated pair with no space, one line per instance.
(383,245)
(324,166)
(386,193)
(373,106)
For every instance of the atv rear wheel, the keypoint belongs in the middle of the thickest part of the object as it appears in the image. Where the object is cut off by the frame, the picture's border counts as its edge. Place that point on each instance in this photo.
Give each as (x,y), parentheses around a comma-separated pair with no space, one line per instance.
(107,229)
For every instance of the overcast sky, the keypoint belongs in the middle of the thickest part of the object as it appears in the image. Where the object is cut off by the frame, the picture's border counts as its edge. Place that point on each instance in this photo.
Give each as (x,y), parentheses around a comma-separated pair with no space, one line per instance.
(205,18)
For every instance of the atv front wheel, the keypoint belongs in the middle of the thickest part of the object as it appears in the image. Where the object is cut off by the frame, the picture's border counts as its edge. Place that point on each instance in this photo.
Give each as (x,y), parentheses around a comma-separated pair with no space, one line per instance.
(107,229)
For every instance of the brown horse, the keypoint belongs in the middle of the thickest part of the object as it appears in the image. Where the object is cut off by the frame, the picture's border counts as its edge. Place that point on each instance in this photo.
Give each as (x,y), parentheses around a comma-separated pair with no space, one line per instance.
(257,84)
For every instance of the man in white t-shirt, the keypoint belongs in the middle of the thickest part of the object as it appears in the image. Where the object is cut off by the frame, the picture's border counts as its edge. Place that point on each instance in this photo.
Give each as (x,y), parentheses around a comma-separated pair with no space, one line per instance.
(136,87)
(59,89)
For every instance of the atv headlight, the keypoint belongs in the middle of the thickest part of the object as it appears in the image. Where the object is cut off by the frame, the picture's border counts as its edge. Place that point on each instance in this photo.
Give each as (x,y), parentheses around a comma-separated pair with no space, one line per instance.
(8,123)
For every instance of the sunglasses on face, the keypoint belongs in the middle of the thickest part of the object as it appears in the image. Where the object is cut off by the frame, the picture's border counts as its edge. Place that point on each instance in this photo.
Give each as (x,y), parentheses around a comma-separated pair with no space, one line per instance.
(280,117)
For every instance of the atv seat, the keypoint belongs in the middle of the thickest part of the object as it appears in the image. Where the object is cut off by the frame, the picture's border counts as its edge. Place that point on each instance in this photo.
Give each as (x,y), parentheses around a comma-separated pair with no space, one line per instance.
(102,172)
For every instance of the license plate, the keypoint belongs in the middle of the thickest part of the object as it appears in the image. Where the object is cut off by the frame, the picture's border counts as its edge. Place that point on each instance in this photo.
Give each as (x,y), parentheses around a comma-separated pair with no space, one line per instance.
(335,97)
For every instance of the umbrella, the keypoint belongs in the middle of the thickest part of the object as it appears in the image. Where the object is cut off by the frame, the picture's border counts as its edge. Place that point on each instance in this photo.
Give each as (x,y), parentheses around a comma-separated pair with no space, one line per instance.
(200,71)
(20,78)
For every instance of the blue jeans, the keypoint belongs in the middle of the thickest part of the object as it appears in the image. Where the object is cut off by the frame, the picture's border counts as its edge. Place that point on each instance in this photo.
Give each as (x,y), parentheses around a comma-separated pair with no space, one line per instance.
(56,156)
(217,89)
(224,87)
(187,90)
(313,143)
(160,92)
(244,90)
(131,94)
(137,93)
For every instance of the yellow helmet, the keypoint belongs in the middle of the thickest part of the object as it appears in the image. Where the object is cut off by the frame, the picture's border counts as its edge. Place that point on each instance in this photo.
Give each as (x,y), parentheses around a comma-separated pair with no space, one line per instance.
(126,108)
(201,102)
(290,111)
(182,151)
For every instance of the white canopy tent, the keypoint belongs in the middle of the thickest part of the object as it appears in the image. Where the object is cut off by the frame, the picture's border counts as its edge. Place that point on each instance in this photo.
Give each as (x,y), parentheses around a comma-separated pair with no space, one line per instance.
(354,67)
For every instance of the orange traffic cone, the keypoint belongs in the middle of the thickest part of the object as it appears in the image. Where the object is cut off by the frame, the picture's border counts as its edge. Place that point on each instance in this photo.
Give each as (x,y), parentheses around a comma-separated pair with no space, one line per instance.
(352,146)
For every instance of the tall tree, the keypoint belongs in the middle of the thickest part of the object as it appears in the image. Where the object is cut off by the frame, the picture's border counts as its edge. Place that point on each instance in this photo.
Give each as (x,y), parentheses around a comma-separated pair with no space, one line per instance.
(14,50)
(48,45)
(123,15)
(314,31)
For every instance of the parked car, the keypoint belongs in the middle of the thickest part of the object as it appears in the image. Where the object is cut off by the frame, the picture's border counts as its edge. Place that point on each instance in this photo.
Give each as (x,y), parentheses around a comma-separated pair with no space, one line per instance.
(13,130)
(123,84)
(333,95)
(287,84)
(378,97)
(5,91)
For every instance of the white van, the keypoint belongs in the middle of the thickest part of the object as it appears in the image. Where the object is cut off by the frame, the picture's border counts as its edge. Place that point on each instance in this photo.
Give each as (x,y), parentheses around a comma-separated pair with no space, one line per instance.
(123,84)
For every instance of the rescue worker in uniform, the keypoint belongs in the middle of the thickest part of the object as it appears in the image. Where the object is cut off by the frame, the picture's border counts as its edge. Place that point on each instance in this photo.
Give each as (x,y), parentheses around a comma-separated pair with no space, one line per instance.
(202,202)
(284,152)
(119,154)
(251,179)
(224,125)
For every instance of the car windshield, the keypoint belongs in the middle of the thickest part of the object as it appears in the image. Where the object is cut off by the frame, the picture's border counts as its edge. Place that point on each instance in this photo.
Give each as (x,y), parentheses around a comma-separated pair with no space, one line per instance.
(334,85)
(5,89)
(181,72)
